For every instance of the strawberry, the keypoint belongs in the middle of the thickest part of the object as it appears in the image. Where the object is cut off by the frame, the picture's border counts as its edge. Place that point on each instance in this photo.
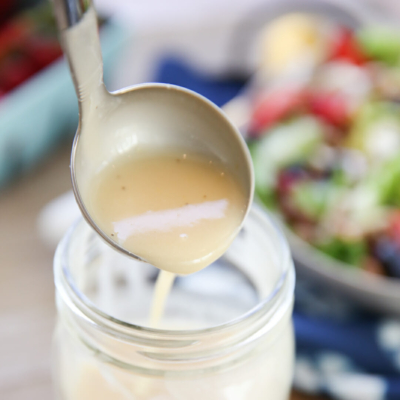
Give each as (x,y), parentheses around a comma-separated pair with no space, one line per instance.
(330,107)
(12,35)
(345,47)
(273,107)
(14,71)
(2,93)
(43,51)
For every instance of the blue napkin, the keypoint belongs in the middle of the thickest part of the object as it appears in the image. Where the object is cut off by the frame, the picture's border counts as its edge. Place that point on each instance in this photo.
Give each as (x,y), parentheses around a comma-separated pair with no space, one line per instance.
(341,350)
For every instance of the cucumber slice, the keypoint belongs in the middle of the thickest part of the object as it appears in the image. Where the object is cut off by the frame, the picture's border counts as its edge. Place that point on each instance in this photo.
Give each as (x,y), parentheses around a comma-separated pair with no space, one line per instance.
(285,144)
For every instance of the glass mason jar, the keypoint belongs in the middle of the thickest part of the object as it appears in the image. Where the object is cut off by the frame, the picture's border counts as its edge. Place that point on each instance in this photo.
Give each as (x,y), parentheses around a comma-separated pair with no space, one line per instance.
(226,331)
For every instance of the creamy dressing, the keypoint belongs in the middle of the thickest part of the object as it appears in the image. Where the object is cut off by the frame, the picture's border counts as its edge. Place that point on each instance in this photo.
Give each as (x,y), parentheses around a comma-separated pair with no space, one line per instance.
(178,211)
(164,283)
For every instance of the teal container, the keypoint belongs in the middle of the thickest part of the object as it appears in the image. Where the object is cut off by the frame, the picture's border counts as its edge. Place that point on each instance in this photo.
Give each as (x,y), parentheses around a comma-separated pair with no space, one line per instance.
(43,110)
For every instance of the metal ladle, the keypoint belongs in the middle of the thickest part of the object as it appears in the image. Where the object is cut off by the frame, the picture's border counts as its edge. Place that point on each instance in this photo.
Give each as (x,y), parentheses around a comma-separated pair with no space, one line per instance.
(158,115)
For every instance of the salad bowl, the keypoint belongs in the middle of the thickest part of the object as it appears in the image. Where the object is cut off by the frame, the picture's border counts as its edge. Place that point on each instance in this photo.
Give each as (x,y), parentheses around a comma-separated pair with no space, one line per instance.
(325,141)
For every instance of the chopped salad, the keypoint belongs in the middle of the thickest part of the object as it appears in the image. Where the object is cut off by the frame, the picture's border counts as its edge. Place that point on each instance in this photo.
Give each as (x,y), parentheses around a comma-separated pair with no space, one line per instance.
(325,142)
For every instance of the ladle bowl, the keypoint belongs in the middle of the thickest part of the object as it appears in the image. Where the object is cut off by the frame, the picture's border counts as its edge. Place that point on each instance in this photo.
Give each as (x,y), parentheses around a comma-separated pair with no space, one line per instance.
(158,116)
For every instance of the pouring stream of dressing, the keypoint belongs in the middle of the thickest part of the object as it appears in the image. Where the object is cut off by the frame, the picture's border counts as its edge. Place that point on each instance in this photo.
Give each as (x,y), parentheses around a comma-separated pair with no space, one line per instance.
(164,283)
(178,210)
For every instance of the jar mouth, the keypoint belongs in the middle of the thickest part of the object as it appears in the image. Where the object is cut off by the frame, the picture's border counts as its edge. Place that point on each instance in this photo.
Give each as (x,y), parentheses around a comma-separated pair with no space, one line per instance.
(73,296)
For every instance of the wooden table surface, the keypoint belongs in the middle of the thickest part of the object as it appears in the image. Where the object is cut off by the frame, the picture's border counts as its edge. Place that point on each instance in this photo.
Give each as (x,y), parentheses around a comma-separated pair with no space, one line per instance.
(27,311)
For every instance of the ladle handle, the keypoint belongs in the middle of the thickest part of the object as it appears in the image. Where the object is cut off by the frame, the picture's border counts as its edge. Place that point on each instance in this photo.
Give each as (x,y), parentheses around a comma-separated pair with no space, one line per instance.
(70,12)
(77,22)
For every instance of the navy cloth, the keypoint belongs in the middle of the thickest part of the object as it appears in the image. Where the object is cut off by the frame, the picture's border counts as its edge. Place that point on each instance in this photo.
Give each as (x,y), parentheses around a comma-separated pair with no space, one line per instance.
(218,90)
(341,350)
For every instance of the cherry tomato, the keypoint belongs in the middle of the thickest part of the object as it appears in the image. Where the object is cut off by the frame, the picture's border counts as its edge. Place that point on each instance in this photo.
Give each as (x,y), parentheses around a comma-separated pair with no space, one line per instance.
(14,71)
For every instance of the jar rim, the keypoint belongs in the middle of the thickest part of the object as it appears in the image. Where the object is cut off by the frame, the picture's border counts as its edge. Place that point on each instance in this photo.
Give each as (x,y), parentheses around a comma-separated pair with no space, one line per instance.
(66,285)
